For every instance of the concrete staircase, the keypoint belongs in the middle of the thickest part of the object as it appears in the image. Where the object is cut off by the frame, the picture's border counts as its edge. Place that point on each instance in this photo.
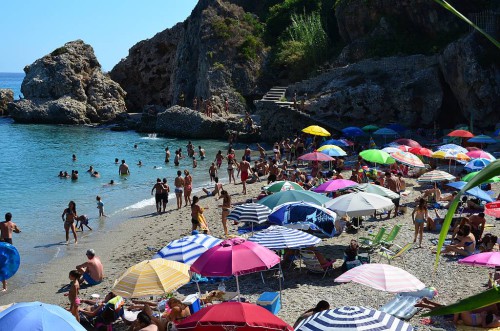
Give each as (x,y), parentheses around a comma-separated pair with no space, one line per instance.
(275,94)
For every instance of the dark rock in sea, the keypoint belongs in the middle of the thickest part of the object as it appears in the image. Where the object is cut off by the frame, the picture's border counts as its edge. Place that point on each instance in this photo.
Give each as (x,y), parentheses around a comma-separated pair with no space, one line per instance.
(6,96)
(68,86)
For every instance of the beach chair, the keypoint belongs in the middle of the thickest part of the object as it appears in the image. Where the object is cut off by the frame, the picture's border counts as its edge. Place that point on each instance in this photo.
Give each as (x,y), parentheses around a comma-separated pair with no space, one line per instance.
(388,240)
(372,241)
(391,255)
(312,264)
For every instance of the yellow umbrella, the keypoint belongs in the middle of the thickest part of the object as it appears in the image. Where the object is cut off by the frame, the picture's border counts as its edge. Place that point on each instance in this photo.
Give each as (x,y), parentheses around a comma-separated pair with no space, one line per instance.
(316,130)
(152,277)
(322,148)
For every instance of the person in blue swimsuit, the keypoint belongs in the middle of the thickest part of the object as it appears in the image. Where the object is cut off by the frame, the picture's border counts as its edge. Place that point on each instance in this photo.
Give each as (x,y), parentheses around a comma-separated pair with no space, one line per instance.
(419,216)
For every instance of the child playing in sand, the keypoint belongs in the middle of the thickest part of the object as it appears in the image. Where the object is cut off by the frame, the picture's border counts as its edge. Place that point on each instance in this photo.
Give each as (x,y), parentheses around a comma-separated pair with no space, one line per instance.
(74,300)
(212,171)
(197,218)
(100,206)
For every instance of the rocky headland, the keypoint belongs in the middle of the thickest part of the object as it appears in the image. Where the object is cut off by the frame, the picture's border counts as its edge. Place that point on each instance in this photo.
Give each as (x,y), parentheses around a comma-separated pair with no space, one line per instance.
(6,97)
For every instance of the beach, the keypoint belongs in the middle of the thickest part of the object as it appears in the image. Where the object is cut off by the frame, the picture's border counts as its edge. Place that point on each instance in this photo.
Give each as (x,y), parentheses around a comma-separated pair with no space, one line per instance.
(138,238)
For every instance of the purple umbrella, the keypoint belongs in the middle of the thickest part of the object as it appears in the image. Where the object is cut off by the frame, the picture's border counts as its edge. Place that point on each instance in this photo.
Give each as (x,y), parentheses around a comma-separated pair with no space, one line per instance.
(334,185)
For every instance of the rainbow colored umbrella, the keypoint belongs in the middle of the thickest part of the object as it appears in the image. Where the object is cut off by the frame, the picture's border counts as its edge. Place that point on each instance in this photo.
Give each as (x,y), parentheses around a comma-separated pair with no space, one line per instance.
(376,156)
(408,159)
(407,142)
(390,149)
(316,130)
(334,185)
(316,156)
(461,134)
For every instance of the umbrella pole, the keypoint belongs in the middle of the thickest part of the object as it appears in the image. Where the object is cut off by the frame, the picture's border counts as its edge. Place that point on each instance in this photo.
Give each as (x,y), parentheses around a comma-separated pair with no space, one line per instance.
(279,279)
(198,286)
(238,288)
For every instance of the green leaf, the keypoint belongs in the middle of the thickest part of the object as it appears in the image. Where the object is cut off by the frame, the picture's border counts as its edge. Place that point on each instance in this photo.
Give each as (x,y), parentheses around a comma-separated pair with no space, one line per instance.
(480,300)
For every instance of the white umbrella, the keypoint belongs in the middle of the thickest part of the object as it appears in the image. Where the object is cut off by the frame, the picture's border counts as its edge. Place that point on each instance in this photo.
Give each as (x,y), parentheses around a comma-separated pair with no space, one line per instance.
(359,204)
(376,189)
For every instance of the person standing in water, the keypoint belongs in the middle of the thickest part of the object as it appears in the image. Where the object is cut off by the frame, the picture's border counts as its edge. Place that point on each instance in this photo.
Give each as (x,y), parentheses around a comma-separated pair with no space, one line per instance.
(100,206)
(167,155)
(123,170)
(188,187)
(179,186)
(202,153)
(69,216)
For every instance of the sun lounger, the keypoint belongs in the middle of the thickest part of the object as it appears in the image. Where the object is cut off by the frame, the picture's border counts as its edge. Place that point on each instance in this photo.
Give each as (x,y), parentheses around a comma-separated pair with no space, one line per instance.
(388,240)
(372,241)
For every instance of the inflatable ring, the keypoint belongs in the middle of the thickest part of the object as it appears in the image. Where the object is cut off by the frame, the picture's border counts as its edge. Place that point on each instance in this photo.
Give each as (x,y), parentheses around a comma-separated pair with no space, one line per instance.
(9,260)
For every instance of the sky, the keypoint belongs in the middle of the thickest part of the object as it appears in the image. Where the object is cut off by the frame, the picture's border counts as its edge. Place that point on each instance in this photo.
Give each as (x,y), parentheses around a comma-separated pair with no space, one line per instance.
(33,28)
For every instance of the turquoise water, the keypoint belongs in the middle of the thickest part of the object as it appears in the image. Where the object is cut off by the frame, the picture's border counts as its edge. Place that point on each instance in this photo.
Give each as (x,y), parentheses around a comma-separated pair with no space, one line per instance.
(12,81)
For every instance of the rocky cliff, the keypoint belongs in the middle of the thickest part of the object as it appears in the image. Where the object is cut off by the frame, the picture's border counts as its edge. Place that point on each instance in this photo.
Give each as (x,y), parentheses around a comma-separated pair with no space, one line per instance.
(6,97)
(68,86)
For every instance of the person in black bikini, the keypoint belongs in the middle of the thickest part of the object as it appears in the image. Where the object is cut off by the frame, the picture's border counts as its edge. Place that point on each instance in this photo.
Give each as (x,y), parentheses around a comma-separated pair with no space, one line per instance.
(226,206)
(69,216)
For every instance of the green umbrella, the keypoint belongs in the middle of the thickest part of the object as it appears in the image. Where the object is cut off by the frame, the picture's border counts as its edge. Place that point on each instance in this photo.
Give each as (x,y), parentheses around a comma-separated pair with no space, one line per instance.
(282,197)
(468,177)
(370,128)
(377,156)
(283,185)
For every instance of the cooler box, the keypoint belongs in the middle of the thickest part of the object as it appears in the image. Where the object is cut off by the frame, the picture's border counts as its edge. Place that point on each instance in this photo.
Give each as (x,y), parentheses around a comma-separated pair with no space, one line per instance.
(193,301)
(270,301)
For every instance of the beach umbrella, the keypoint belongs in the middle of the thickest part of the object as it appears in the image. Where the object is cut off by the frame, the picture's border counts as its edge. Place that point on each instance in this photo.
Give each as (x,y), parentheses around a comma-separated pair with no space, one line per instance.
(421,151)
(187,249)
(385,132)
(435,176)
(450,154)
(482,139)
(279,198)
(316,156)
(460,133)
(383,277)
(334,152)
(496,133)
(492,209)
(9,260)
(477,164)
(152,277)
(471,175)
(476,191)
(298,214)
(279,237)
(473,148)
(404,148)
(353,131)
(390,149)
(370,128)
(316,130)
(396,127)
(452,147)
(283,185)
(336,142)
(328,146)
(38,316)
(359,204)
(480,155)
(486,259)
(334,185)
(376,156)
(408,159)
(407,142)
(234,257)
(376,189)
(234,316)
(349,318)
(249,212)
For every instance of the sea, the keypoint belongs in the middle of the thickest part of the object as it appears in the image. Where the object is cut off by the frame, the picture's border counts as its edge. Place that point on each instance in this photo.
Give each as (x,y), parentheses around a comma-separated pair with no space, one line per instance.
(33,155)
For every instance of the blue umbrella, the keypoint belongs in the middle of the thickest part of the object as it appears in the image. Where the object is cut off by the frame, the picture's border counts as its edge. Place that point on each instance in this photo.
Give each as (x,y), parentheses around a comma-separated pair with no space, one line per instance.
(334,152)
(482,139)
(37,316)
(476,191)
(353,131)
(187,249)
(9,260)
(335,142)
(318,218)
(476,164)
(496,133)
(396,127)
(385,132)
(278,237)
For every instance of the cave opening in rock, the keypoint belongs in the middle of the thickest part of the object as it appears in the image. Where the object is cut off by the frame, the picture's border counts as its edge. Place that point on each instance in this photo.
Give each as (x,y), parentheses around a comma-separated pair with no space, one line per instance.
(450,114)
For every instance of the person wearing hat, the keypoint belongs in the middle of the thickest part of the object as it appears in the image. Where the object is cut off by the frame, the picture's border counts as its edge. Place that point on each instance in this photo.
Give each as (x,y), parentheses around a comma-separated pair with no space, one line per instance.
(92,271)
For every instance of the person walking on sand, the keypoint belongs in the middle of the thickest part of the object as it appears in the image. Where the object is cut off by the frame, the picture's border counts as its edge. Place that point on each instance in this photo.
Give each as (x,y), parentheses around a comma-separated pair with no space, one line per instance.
(74,290)
(69,217)
(244,168)
(123,170)
(188,187)
(179,186)
(7,227)
(197,217)
(226,207)
(158,187)
(419,216)
(92,271)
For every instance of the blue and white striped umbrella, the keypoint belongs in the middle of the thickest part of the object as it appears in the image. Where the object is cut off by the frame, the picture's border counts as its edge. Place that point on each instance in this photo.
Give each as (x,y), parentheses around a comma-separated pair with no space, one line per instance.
(249,212)
(453,147)
(187,249)
(280,237)
(352,319)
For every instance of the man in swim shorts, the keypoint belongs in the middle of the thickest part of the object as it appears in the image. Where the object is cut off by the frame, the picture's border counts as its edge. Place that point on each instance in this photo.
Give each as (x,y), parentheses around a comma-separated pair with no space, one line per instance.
(159,188)
(6,229)
(92,271)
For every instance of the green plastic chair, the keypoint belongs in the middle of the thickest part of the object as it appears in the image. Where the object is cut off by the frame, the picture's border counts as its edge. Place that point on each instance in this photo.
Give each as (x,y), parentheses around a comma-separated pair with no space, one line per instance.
(373,241)
(391,255)
(389,239)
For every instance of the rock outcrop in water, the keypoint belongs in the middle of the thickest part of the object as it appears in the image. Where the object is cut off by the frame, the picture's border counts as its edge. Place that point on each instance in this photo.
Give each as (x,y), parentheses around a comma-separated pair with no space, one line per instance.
(6,97)
(68,86)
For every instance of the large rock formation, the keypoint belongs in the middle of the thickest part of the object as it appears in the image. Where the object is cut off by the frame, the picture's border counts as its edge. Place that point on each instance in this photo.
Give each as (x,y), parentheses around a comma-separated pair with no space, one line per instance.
(6,96)
(67,86)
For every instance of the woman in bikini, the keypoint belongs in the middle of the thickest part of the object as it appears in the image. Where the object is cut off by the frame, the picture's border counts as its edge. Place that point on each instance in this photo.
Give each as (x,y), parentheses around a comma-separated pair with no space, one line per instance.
(230,168)
(226,206)
(464,244)
(419,216)
(218,159)
(188,187)
(69,217)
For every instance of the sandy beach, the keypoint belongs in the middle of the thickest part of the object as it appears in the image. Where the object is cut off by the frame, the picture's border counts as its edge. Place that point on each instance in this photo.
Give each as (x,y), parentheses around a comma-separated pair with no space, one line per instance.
(140,237)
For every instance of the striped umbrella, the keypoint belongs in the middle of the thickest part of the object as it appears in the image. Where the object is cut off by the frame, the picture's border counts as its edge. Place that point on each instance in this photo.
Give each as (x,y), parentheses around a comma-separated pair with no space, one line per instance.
(279,237)
(408,158)
(453,147)
(250,212)
(383,277)
(480,155)
(349,318)
(152,277)
(450,154)
(435,176)
(421,151)
(283,185)
(187,249)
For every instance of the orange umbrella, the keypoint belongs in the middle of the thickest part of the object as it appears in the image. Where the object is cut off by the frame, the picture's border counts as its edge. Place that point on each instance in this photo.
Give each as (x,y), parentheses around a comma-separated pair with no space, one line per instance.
(460,133)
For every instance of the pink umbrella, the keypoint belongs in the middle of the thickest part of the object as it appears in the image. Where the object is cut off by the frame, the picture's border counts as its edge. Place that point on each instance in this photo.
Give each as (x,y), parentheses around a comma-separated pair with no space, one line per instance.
(382,277)
(472,148)
(492,209)
(487,259)
(480,155)
(407,142)
(235,257)
(316,156)
(334,185)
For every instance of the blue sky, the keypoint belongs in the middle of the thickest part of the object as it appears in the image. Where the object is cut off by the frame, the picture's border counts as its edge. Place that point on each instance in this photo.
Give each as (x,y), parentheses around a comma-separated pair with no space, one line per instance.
(31,29)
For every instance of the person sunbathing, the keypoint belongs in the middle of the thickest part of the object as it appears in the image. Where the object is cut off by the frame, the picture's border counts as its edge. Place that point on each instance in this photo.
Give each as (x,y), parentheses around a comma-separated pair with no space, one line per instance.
(466,243)
(483,319)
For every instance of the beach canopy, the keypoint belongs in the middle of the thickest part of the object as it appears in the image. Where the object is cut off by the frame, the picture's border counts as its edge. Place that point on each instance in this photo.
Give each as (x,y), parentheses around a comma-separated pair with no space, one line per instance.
(475,191)
(187,249)
(435,176)
(376,156)
(408,159)
(351,318)
(454,147)
(492,209)
(234,316)
(279,237)
(353,131)
(304,215)
(37,316)
(383,277)
(407,142)
(9,260)
(316,156)
(486,259)
(334,185)
(471,175)
(152,277)
(359,204)
(280,198)
(316,130)
(376,189)
(482,139)
(385,132)
(337,142)
(480,155)
(250,212)
(421,151)
(461,134)
(283,185)
(477,164)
